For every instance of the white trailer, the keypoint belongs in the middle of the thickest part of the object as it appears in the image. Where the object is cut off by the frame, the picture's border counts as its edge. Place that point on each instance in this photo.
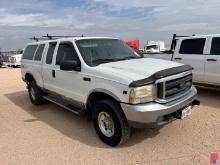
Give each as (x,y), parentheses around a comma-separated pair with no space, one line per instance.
(155,47)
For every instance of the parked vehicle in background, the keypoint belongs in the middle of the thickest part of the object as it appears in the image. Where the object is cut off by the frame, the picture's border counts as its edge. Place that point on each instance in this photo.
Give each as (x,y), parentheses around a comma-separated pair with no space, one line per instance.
(202,52)
(134,44)
(154,47)
(1,61)
(11,58)
(15,60)
(106,79)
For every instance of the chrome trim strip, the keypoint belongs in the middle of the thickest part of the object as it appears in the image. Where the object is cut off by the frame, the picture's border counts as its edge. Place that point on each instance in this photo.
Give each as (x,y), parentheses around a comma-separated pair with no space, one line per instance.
(174,77)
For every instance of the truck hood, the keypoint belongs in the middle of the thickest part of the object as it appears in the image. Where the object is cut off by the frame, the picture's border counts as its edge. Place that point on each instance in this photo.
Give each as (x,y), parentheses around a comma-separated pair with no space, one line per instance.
(135,69)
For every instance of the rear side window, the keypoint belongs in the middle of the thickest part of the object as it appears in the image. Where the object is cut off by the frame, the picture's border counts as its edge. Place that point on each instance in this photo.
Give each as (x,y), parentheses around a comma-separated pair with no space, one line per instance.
(29,52)
(39,52)
(215,49)
(66,51)
(192,46)
(50,52)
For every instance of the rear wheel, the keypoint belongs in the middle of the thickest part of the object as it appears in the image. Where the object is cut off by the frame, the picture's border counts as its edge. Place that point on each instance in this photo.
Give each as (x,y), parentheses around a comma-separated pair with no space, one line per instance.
(35,93)
(110,123)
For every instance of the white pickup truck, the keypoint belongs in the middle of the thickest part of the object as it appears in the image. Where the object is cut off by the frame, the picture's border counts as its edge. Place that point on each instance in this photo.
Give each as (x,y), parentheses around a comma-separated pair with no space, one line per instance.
(202,52)
(106,79)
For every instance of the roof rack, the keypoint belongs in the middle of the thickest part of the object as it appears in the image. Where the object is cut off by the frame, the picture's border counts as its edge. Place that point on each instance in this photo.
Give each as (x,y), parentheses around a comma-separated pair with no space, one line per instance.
(174,41)
(173,44)
(37,38)
(50,37)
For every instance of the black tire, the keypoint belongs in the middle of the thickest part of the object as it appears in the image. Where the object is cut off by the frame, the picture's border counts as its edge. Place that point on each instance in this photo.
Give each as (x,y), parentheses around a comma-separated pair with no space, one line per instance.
(35,94)
(121,129)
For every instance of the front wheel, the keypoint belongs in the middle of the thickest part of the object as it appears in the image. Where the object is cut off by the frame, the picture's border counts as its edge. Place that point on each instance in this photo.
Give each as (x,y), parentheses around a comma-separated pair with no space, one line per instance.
(110,123)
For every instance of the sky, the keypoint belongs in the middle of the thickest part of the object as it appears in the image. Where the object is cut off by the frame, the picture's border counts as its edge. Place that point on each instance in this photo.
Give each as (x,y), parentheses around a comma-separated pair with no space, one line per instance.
(125,19)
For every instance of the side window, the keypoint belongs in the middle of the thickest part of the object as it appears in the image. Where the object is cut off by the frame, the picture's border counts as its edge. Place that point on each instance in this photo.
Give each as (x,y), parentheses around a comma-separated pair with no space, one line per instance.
(29,52)
(215,49)
(192,46)
(39,52)
(50,52)
(66,51)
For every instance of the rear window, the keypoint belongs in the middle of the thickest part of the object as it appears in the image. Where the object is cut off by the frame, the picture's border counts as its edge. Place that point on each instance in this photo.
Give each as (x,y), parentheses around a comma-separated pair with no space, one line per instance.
(29,52)
(215,50)
(39,52)
(192,46)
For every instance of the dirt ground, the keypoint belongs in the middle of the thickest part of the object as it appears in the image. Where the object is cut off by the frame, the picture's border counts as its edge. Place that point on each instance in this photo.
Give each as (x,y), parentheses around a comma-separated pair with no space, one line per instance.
(49,134)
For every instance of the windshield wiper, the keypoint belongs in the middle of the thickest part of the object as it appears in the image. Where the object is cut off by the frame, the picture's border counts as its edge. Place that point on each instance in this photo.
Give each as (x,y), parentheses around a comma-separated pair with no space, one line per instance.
(130,57)
(101,61)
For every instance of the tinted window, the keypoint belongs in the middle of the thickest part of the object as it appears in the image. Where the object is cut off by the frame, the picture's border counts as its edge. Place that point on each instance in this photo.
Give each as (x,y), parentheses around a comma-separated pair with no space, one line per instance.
(192,46)
(66,51)
(29,52)
(50,52)
(215,50)
(152,47)
(39,52)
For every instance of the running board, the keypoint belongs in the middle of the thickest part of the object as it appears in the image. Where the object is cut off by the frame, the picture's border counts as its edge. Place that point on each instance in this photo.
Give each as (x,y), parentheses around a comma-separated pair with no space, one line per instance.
(64,104)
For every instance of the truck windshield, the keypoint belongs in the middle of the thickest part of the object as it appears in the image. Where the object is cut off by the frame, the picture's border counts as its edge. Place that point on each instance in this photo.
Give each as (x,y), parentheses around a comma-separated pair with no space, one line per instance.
(152,47)
(98,51)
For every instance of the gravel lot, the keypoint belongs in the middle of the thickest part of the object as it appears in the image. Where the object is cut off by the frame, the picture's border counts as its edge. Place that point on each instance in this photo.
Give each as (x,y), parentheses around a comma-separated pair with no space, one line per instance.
(49,134)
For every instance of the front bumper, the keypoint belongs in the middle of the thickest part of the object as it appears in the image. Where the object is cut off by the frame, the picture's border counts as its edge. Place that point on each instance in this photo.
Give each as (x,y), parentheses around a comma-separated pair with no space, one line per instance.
(151,115)
(14,64)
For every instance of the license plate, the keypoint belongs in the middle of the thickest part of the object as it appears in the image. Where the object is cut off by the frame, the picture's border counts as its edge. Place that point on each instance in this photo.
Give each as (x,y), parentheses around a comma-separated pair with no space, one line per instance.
(186,112)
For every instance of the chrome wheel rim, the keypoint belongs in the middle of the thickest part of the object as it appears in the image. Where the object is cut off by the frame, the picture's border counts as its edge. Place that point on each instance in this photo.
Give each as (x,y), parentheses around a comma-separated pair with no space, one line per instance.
(106,124)
(32,93)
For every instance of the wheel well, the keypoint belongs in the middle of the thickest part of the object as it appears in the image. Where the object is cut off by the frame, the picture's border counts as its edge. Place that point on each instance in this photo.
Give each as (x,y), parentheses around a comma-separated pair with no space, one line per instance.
(29,77)
(96,97)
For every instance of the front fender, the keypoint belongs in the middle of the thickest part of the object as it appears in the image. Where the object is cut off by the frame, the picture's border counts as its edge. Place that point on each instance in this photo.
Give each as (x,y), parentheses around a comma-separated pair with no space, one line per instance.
(102,91)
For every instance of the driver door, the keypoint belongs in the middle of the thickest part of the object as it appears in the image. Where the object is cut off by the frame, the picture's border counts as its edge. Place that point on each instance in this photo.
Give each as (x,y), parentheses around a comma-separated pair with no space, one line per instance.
(68,83)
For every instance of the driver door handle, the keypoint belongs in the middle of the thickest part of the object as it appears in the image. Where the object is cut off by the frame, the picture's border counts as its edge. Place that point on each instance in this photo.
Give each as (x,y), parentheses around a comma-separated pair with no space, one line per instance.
(212,59)
(53,74)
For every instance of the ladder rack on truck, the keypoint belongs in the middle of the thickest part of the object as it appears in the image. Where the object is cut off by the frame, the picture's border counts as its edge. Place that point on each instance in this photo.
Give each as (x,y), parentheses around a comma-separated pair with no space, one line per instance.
(51,37)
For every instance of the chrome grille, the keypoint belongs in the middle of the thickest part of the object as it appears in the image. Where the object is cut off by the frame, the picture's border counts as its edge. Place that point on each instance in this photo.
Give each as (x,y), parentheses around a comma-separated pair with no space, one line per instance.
(173,87)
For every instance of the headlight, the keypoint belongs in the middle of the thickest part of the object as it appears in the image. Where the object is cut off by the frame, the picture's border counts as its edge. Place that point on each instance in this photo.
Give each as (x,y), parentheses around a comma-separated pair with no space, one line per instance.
(141,94)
